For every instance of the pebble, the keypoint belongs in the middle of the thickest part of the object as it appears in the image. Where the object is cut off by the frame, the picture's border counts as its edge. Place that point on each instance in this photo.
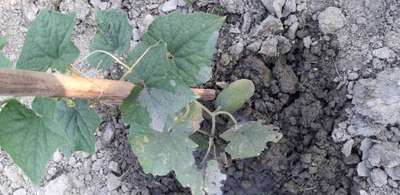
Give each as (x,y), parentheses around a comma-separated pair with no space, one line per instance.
(233,6)
(255,46)
(383,53)
(331,20)
(57,156)
(269,47)
(292,30)
(362,169)
(284,45)
(290,7)
(20,191)
(97,165)
(60,185)
(346,149)
(307,42)
(108,134)
(114,167)
(393,183)
(378,177)
(170,5)
(113,182)
(269,25)
(352,76)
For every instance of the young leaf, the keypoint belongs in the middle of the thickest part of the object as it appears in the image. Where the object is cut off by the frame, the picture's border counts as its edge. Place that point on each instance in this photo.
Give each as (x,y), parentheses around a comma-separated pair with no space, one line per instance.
(163,96)
(80,124)
(162,152)
(30,137)
(48,43)
(4,61)
(190,41)
(249,139)
(235,95)
(113,35)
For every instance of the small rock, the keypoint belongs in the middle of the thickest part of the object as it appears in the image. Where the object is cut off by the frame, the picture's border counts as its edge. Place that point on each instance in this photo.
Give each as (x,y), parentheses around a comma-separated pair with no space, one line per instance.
(52,171)
(72,161)
(291,19)
(383,53)
(233,6)
(394,172)
(269,25)
(60,185)
(287,78)
(346,149)
(114,167)
(362,169)
(255,46)
(293,30)
(352,76)
(307,42)
(12,174)
(97,165)
(170,5)
(108,134)
(246,184)
(113,182)
(99,4)
(284,45)
(237,49)
(290,7)
(392,183)
(365,146)
(331,20)
(20,191)
(57,156)
(378,177)
(268,5)
(269,47)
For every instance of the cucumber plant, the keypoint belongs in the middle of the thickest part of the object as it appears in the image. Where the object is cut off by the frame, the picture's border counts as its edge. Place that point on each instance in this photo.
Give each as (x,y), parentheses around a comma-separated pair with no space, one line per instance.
(161,112)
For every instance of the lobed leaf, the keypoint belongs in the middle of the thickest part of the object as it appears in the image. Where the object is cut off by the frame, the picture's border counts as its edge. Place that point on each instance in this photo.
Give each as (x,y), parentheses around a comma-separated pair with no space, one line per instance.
(48,43)
(80,124)
(175,53)
(162,97)
(249,139)
(162,152)
(30,137)
(113,35)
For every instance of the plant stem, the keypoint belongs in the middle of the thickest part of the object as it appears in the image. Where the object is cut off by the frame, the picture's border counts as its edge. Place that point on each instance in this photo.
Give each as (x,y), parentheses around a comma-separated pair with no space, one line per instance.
(229,115)
(211,139)
(130,69)
(107,53)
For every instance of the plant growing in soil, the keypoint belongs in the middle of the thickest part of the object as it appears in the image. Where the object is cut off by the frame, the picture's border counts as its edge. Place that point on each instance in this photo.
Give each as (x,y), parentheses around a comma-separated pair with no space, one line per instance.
(158,104)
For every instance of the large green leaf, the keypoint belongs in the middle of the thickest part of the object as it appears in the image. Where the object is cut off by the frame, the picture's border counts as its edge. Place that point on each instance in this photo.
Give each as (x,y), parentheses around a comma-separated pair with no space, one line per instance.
(48,43)
(157,104)
(113,35)
(249,139)
(162,152)
(30,137)
(4,61)
(190,41)
(80,124)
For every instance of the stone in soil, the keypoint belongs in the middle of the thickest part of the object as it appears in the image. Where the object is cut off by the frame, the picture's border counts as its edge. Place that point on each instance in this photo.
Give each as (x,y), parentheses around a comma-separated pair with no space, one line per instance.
(331,19)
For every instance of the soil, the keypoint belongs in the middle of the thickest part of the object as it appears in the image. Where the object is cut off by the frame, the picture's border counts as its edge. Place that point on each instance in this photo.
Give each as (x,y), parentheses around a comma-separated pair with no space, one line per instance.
(304,79)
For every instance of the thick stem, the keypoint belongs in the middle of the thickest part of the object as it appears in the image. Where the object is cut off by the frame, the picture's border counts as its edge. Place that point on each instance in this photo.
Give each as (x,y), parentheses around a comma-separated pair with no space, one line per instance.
(30,83)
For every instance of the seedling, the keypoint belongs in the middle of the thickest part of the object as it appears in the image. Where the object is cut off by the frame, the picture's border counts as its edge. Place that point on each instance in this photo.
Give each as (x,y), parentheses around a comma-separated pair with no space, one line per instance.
(159,106)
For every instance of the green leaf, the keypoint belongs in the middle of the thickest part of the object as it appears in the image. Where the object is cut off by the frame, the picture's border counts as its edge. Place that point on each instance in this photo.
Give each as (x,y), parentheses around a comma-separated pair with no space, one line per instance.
(4,61)
(80,124)
(249,139)
(48,43)
(157,104)
(200,181)
(113,35)
(162,152)
(30,137)
(190,41)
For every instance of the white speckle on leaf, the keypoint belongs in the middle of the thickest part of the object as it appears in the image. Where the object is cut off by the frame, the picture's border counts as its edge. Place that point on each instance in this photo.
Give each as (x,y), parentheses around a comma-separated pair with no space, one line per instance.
(173,83)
